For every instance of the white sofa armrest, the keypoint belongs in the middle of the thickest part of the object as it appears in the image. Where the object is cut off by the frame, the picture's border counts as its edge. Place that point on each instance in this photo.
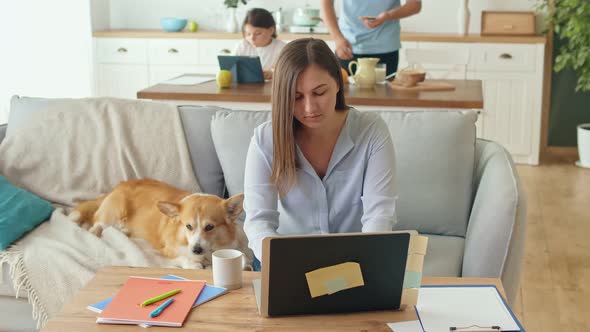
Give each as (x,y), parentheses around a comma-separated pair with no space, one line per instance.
(494,243)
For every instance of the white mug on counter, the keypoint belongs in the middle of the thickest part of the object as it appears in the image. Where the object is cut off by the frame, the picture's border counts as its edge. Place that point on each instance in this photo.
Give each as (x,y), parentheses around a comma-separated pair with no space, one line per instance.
(227,268)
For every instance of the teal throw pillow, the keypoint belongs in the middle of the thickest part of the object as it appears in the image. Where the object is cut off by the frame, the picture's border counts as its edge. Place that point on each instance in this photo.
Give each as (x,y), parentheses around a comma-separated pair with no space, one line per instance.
(20,212)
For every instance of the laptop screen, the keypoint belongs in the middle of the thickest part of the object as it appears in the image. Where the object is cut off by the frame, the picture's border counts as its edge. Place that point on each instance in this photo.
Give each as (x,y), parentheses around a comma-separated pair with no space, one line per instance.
(381,258)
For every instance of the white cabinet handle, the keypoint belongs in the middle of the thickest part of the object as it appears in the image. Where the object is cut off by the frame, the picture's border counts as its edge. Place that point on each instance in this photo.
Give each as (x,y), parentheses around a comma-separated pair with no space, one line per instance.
(122,50)
(225,51)
(505,56)
(172,51)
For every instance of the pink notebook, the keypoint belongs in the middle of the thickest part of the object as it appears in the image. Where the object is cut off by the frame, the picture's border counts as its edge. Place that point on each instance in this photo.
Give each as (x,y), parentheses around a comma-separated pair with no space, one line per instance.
(125,307)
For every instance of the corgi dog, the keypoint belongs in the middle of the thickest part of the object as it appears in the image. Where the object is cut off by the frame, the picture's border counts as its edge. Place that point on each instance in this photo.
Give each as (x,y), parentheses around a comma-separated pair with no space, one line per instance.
(183,226)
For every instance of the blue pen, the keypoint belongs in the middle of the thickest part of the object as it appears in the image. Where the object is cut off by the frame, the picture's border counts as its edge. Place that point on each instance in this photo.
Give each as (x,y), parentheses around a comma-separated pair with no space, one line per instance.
(161,308)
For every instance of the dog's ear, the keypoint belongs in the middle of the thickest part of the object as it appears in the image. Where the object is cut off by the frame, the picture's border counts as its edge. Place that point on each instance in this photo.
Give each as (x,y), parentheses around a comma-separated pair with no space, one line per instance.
(233,206)
(168,208)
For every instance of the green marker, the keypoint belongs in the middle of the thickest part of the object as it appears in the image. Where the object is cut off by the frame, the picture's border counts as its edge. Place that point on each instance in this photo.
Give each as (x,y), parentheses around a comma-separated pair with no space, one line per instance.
(160,297)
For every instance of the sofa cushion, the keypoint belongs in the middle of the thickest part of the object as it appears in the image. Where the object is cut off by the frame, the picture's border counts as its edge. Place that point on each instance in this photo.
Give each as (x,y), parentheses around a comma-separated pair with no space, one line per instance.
(444,256)
(22,108)
(435,159)
(196,121)
(20,212)
(232,132)
(435,154)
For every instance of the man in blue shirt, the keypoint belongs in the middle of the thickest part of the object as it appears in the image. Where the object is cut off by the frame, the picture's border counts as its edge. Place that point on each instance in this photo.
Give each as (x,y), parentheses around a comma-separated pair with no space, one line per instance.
(368,28)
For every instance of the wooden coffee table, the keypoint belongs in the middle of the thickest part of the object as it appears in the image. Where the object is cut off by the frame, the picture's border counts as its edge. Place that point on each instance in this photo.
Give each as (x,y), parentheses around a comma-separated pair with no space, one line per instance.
(236,311)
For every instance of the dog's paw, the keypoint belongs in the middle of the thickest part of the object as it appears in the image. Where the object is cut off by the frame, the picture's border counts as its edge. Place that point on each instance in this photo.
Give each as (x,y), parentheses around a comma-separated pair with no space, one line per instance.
(123,228)
(75,216)
(96,229)
(193,266)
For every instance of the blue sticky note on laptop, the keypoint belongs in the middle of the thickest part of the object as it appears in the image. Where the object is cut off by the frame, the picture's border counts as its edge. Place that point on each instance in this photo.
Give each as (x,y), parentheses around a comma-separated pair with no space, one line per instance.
(208,293)
(244,69)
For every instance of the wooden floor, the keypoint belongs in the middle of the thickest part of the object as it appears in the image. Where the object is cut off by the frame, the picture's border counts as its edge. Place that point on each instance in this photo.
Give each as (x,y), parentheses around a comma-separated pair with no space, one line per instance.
(555,286)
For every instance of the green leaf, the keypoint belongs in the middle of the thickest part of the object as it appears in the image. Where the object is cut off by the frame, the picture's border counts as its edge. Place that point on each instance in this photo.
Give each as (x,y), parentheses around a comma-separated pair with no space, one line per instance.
(571,24)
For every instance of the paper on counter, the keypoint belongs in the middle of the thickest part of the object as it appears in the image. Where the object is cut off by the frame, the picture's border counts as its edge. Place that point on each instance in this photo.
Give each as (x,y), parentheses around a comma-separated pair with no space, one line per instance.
(189,80)
(409,326)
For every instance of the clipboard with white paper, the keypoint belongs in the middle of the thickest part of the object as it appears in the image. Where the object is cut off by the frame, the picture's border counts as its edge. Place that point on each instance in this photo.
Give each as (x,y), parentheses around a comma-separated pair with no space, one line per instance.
(441,308)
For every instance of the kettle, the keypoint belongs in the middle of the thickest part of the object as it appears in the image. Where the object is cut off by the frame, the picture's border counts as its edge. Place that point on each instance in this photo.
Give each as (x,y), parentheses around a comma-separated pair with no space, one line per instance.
(364,76)
(306,16)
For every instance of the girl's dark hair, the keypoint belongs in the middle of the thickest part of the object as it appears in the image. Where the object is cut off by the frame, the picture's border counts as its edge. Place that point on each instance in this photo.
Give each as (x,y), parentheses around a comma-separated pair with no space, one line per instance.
(260,18)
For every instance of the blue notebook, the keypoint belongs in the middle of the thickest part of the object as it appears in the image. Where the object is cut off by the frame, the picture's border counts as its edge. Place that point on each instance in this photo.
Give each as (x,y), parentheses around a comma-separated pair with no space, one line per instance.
(208,293)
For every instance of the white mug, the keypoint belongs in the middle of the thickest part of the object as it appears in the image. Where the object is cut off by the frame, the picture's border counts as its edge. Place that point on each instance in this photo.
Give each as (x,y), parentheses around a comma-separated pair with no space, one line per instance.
(227,268)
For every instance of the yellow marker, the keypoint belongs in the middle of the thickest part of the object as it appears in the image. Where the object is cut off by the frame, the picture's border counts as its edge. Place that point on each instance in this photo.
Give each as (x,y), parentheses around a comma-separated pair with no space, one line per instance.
(160,297)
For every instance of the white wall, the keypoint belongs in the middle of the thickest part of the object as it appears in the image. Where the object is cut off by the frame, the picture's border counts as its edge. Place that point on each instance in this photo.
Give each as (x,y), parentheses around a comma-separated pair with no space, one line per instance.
(45,49)
(436,15)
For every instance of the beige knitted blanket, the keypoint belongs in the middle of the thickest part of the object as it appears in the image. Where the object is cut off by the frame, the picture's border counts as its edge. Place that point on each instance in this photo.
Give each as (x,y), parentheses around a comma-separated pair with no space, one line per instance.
(75,152)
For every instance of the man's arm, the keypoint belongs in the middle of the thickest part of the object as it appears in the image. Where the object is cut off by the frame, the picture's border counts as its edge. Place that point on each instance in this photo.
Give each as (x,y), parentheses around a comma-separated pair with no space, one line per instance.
(411,7)
(343,47)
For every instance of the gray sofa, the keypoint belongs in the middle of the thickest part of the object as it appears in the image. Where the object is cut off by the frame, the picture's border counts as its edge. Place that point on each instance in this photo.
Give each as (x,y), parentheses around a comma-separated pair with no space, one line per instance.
(463,193)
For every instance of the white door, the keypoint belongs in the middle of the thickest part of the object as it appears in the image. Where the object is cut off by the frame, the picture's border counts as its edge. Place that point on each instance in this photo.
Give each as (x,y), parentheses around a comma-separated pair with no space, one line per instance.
(121,81)
(508,110)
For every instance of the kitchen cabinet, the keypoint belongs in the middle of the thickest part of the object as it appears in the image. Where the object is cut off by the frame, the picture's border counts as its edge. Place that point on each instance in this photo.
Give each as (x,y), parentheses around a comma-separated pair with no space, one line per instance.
(127,65)
(512,77)
(508,111)
(168,58)
(511,73)
(120,80)
(120,66)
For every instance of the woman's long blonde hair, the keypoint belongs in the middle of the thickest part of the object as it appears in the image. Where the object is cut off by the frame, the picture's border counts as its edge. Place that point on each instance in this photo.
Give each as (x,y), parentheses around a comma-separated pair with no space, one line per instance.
(294,58)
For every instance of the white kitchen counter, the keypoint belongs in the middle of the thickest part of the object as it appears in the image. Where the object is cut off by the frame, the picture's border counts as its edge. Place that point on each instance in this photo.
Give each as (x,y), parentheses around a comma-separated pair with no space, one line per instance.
(405,36)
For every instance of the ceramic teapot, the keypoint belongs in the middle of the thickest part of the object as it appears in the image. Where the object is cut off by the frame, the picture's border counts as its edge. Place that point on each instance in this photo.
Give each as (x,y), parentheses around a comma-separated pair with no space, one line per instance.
(365,71)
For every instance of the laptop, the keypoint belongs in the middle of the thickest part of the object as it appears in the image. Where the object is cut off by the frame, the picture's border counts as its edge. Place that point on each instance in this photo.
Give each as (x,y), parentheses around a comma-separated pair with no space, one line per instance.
(332,273)
(244,69)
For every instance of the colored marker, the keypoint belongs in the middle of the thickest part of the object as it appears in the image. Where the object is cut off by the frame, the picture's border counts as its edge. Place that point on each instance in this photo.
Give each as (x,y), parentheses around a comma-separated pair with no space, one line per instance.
(160,297)
(161,308)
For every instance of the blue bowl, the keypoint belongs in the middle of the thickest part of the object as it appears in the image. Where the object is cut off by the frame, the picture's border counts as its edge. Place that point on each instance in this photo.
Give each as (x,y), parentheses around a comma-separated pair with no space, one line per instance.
(172,24)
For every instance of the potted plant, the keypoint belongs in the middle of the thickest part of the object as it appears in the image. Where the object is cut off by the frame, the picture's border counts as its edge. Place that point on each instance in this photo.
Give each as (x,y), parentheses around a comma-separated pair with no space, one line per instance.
(570,20)
(232,21)
(233,3)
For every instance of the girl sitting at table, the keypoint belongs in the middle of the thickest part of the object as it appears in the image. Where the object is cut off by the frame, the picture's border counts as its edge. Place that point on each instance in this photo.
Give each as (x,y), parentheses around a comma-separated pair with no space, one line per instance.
(260,39)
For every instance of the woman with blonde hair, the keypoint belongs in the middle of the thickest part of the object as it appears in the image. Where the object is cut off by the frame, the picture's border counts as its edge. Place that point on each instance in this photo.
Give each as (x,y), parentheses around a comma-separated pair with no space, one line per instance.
(319,166)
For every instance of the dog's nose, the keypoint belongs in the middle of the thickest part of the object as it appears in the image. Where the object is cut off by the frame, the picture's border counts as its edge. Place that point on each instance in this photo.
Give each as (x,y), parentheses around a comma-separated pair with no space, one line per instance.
(197,250)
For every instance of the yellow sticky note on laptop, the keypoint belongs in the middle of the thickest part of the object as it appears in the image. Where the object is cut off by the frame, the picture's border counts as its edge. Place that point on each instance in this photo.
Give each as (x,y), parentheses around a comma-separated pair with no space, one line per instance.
(335,278)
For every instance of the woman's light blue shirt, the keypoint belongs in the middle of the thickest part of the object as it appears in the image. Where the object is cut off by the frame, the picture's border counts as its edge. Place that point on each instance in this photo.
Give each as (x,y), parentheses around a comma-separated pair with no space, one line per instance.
(357,194)
(383,39)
